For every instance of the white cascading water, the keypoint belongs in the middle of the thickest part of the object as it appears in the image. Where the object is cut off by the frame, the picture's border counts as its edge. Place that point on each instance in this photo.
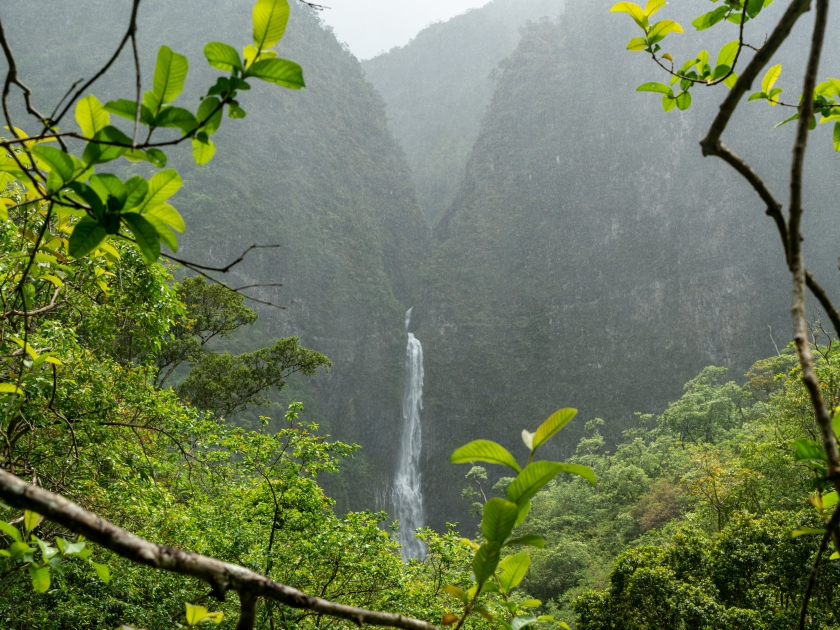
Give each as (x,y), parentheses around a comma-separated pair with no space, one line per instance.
(406,494)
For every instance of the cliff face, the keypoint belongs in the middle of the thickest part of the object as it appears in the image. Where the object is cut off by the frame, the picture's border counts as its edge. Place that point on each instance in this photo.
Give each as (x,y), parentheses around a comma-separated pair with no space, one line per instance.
(316,172)
(592,257)
(438,86)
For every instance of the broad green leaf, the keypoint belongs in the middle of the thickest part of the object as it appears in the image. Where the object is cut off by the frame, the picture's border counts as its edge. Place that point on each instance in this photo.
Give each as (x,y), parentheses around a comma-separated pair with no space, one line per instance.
(209,115)
(636,44)
(770,78)
(580,470)
(222,56)
(513,570)
(834,556)
(106,185)
(203,152)
(554,422)
(807,450)
(57,160)
(754,7)
(653,6)
(707,20)
(40,578)
(731,80)
(456,592)
(532,479)
(19,550)
(653,86)
(485,562)
(830,500)
(270,18)
(136,189)
(757,96)
(47,550)
(498,519)
(91,115)
(836,139)
(128,109)
(524,508)
(684,100)
(727,54)
(10,388)
(282,72)
(10,530)
(633,10)
(108,152)
(773,96)
(484,451)
(668,103)
(531,540)
(806,531)
(170,71)
(102,571)
(530,603)
(662,28)
(145,234)
(77,549)
(787,120)
(251,54)
(521,621)
(162,186)
(31,520)
(176,117)
(164,232)
(169,215)
(448,619)
(87,235)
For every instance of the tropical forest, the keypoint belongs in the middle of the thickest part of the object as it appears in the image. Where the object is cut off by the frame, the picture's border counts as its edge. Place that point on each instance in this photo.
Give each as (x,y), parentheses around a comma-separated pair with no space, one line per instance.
(455,315)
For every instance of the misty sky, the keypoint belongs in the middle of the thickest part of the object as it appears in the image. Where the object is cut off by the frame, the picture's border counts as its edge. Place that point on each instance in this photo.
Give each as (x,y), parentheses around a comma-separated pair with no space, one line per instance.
(373,26)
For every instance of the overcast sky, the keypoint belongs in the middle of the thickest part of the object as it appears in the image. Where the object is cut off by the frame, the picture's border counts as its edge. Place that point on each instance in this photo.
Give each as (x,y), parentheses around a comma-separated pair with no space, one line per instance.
(372,26)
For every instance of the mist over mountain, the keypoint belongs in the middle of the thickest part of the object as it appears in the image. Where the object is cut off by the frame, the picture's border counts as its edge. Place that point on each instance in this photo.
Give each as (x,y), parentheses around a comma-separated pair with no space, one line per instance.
(437,88)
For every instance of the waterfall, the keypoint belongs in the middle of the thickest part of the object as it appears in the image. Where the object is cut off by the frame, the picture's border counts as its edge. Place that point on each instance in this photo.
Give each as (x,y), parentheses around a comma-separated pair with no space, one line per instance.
(406,495)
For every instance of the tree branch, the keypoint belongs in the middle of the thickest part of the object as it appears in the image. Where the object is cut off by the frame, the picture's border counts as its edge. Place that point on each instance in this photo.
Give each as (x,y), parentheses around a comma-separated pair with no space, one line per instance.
(832,524)
(221,576)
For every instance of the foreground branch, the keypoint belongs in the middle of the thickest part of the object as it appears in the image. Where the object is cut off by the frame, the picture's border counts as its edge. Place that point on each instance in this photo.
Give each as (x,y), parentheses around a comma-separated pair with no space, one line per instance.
(221,576)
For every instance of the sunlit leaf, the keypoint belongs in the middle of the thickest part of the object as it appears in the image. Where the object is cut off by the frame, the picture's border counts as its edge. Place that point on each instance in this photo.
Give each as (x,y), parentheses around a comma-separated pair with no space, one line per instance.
(532,478)
(727,54)
(554,422)
(653,86)
(486,560)
(145,235)
(91,115)
(662,28)
(531,540)
(513,570)
(282,72)
(31,520)
(270,18)
(222,56)
(653,6)
(636,44)
(484,451)
(633,10)
(498,519)
(170,72)
(707,20)
(770,78)
(40,578)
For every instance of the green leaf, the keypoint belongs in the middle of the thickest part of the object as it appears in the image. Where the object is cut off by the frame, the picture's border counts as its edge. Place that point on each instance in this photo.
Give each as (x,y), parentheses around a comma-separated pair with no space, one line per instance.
(280,71)
(169,215)
(209,115)
(836,139)
(76,549)
(498,519)
(162,186)
(531,540)
(513,570)
(579,469)
(684,100)
(10,388)
(757,96)
(653,86)
(222,57)
(787,120)
(102,571)
(48,551)
(456,592)
(270,18)
(11,531)
(128,109)
(662,28)
(136,189)
(633,10)
(484,451)
(731,80)
(106,185)
(653,6)
(91,115)
(727,54)
(40,578)
(554,422)
(145,234)
(57,160)
(668,103)
(164,232)
(18,550)
(636,44)
(830,500)
(770,78)
(808,450)
(707,20)
(87,235)
(31,520)
(806,531)
(176,117)
(203,152)
(170,72)
(524,508)
(532,479)
(108,152)
(485,562)
(754,7)
(523,620)
(530,603)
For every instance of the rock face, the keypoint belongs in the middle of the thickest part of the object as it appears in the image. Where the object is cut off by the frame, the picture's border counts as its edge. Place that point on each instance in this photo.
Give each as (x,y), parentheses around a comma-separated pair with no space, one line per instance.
(438,86)
(592,257)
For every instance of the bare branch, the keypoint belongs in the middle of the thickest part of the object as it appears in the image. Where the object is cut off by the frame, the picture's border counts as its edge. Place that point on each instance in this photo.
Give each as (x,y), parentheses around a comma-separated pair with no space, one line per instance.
(227,267)
(221,576)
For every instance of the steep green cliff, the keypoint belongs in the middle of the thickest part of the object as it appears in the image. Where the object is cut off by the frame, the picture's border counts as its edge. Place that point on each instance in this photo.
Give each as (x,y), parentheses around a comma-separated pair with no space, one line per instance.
(437,88)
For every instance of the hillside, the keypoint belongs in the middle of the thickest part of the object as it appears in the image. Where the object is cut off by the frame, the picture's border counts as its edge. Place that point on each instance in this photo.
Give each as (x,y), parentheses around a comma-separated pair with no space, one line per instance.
(435,109)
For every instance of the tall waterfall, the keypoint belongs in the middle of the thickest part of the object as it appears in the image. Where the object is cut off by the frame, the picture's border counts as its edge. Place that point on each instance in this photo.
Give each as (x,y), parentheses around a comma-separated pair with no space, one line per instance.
(406,495)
